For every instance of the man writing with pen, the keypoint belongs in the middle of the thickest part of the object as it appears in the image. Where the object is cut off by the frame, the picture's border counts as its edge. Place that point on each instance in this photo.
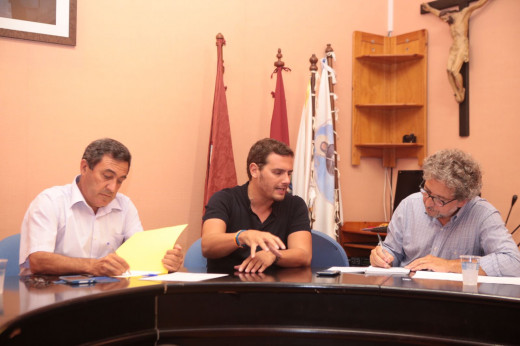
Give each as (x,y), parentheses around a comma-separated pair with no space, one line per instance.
(76,228)
(432,228)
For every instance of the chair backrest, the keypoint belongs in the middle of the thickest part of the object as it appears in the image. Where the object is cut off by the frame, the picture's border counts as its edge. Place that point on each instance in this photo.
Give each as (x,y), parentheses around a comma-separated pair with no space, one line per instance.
(193,260)
(10,249)
(326,252)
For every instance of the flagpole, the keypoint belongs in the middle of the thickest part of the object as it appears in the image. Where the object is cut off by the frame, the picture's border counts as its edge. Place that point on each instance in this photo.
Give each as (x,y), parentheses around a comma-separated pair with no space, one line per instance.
(330,55)
(279,63)
(314,69)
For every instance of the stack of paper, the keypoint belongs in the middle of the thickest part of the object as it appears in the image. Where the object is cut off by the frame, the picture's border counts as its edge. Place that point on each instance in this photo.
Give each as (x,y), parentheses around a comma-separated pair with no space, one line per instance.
(373,270)
(458,277)
(187,277)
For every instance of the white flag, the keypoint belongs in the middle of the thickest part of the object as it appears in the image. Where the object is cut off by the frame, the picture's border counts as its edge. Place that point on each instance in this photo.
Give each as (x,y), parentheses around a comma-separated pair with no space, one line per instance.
(326,207)
(301,177)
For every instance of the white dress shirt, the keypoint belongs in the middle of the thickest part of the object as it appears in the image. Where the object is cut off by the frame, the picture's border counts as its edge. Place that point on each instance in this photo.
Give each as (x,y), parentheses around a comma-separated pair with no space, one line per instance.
(59,220)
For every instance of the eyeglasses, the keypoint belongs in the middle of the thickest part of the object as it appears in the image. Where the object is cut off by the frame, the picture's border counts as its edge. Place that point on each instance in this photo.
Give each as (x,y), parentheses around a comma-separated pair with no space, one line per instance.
(436,200)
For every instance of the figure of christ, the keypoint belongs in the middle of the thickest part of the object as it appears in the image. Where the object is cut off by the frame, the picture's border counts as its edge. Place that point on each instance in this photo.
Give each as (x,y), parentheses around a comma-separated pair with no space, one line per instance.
(459,50)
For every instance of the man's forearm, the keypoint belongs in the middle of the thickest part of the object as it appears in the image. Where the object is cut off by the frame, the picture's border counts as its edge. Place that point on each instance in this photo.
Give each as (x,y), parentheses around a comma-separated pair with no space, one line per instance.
(50,263)
(294,258)
(501,264)
(455,266)
(218,245)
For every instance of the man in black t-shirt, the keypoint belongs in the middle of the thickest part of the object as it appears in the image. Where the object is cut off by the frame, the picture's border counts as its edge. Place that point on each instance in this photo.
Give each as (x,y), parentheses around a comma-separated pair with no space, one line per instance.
(251,227)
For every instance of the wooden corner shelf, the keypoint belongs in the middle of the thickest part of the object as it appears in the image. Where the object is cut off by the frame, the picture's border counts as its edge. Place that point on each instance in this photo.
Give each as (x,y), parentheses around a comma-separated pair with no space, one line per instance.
(389,96)
(389,105)
(390,58)
(388,145)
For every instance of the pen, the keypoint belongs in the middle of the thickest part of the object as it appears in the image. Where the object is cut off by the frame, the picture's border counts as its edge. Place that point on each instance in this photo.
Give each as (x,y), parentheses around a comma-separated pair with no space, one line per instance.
(381,244)
(380,241)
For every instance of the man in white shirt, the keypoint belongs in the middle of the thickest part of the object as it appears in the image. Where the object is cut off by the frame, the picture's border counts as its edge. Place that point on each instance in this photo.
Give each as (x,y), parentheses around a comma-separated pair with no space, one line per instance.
(76,228)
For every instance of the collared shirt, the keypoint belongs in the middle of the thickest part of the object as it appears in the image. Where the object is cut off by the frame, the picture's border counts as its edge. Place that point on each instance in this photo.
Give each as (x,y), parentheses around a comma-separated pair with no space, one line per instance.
(59,220)
(476,229)
(234,208)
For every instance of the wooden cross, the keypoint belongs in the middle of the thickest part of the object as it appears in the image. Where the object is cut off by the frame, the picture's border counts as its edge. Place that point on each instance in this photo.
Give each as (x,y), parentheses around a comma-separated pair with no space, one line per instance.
(463,106)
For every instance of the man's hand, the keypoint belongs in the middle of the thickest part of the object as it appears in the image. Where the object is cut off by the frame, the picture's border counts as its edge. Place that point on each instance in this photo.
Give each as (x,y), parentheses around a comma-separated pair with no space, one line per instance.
(257,264)
(110,265)
(173,258)
(266,240)
(379,257)
(435,264)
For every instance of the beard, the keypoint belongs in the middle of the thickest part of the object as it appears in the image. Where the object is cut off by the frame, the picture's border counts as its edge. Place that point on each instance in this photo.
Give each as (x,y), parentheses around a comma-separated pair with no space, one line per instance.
(276,192)
(438,215)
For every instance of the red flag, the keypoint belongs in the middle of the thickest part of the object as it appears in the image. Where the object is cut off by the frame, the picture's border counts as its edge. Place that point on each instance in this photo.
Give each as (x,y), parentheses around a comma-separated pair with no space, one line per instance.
(279,127)
(220,171)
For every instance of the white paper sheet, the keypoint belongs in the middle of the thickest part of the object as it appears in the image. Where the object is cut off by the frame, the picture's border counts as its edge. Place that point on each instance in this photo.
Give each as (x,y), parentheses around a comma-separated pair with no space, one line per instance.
(458,277)
(188,277)
(349,269)
(373,270)
(387,271)
(132,273)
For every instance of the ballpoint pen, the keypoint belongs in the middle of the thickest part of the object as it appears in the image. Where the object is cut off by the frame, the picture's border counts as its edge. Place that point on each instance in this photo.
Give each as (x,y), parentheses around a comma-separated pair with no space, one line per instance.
(380,241)
(381,244)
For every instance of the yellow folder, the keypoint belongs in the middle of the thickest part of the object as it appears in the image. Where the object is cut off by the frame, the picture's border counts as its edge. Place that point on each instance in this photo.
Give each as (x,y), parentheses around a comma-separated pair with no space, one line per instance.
(144,251)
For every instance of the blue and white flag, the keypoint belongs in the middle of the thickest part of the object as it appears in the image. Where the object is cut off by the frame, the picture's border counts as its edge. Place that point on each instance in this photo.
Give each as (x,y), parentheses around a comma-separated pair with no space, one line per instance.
(326,210)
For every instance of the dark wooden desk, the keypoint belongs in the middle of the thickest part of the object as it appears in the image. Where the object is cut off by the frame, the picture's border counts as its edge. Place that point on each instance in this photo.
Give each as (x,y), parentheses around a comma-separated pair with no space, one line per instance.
(285,307)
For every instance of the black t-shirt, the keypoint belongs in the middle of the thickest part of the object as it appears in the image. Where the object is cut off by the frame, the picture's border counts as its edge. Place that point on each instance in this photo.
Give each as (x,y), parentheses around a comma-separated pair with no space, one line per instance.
(234,208)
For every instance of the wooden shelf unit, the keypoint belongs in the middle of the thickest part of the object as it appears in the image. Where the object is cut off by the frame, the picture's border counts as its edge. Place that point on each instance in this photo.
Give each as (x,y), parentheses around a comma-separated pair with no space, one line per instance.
(389,96)
(355,241)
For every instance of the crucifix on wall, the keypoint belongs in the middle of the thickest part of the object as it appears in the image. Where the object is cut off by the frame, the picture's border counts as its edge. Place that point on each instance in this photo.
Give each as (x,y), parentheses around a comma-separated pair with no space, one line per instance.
(458,60)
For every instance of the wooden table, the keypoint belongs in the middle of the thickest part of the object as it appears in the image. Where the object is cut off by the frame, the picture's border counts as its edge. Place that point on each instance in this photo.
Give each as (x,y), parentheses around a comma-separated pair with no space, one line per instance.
(283,307)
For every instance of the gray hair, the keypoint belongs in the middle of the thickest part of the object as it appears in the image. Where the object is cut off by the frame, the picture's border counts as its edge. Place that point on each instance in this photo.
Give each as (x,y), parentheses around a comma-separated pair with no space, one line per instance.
(95,151)
(457,170)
